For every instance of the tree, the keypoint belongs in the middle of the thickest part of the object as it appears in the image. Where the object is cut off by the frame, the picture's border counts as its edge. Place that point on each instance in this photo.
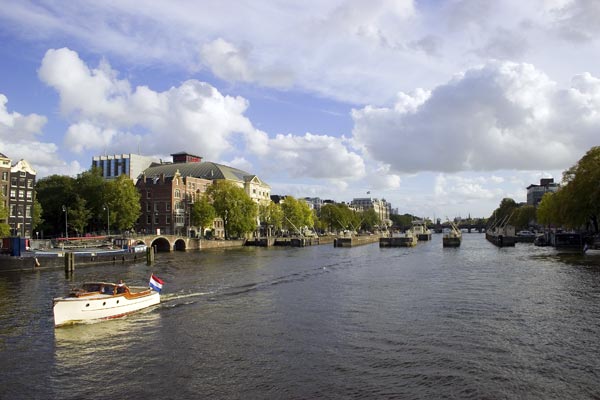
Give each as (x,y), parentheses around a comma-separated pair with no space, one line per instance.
(505,211)
(36,216)
(369,219)
(523,216)
(4,227)
(337,216)
(203,213)
(235,207)
(79,215)
(296,214)
(123,201)
(91,186)
(271,215)
(53,192)
(581,193)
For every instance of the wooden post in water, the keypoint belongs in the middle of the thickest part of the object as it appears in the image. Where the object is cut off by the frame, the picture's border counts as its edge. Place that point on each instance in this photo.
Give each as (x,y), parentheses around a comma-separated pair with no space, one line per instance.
(149,255)
(69,262)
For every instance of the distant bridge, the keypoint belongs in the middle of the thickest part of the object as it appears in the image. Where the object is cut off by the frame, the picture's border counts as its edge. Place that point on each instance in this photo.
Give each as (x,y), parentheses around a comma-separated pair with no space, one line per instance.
(166,243)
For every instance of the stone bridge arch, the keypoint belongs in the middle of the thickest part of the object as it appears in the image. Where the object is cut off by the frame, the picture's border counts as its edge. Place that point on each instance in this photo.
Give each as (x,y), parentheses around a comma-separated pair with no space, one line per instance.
(161,244)
(180,245)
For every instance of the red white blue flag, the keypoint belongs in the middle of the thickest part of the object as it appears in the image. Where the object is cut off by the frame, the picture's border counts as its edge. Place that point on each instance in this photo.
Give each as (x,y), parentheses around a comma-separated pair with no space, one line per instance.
(156,283)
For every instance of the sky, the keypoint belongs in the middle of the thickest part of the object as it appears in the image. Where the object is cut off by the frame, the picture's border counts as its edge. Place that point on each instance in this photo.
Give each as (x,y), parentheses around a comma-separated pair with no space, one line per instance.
(443,108)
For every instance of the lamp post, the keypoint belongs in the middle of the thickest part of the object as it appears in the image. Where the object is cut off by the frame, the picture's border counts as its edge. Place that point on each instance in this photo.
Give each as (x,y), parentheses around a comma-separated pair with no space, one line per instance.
(225,225)
(65,209)
(105,208)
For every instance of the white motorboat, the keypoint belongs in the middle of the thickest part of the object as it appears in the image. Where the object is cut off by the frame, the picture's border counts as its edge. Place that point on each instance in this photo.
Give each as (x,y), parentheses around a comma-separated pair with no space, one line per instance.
(102,300)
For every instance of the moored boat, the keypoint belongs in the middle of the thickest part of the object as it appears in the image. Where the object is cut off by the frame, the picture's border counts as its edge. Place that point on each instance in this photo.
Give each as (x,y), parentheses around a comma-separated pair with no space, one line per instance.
(420,230)
(452,237)
(103,300)
(407,239)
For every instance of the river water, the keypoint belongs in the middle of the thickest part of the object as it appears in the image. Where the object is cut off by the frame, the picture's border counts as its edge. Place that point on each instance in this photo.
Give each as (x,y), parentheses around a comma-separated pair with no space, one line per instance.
(318,323)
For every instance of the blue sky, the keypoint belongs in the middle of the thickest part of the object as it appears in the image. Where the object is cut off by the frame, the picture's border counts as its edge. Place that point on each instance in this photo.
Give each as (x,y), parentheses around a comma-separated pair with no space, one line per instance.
(441,108)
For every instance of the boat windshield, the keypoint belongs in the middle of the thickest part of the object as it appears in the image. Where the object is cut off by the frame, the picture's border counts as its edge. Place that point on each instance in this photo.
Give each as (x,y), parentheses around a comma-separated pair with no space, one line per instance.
(91,287)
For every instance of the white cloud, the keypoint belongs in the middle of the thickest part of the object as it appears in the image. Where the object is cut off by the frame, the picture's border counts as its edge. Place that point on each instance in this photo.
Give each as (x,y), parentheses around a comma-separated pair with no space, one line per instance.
(20,139)
(499,116)
(14,125)
(194,116)
(315,156)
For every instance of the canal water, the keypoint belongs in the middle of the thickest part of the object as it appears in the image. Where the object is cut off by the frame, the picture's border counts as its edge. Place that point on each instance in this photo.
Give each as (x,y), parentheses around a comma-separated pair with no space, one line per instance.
(319,323)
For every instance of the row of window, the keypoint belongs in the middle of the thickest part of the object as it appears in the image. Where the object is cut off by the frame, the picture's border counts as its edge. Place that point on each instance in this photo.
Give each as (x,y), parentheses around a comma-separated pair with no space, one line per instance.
(22,194)
(17,211)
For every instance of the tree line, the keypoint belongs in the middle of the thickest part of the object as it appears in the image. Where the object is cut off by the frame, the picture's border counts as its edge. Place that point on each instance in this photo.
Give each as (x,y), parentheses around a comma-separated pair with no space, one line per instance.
(576,205)
(87,203)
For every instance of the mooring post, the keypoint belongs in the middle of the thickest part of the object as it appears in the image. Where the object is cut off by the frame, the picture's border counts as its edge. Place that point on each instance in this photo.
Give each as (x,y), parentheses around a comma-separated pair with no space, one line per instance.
(69,262)
(149,255)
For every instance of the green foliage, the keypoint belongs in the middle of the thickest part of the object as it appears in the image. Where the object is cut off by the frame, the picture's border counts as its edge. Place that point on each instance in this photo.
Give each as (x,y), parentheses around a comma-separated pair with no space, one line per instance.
(523,216)
(577,203)
(203,213)
(36,217)
(123,201)
(297,214)
(271,215)
(53,192)
(78,215)
(369,219)
(4,227)
(235,207)
(402,222)
(335,217)
(91,186)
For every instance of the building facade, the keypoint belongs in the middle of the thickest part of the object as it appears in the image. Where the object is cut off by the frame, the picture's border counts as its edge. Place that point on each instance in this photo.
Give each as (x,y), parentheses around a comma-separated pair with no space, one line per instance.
(169,190)
(536,192)
(382,208)
(113,166)
(20,198)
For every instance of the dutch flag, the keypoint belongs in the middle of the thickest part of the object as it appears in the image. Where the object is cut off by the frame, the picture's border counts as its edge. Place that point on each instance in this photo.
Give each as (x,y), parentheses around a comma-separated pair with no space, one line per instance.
(156,283)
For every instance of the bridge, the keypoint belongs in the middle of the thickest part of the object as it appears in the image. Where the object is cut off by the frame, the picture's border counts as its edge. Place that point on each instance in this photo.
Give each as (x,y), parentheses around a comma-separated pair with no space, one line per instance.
(167,243)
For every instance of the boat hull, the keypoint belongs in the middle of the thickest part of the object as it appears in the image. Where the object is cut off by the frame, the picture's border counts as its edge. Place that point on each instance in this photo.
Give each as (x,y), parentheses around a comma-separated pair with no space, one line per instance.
(500,240)
(69,310)
(451,241)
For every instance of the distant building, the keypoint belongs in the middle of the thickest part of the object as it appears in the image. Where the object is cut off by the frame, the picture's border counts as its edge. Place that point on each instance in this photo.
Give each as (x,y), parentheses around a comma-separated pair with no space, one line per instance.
(168,191)
(382,208)
(536,192)
(315,203)
(116,165)
(20,199)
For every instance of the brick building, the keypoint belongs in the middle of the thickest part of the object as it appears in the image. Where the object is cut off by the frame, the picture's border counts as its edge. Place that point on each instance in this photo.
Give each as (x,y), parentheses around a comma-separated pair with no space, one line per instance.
(168,191)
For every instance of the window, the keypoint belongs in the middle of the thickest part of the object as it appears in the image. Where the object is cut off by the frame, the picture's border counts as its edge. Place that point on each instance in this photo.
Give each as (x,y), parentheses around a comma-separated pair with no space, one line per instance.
(168,218)
(28,212)
(13,194)
(28,194)
(148,218)
(30,183)
(13,181)
(177,194)
(13,210)
(155,206)
(168,206)
(5,176)
(156,219)
(148,209)
(148,195)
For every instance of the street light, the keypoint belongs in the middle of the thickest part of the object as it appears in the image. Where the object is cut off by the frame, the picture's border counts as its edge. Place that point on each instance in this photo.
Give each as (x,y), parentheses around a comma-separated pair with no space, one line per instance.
(105,208)
(225,225)
(65,209)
